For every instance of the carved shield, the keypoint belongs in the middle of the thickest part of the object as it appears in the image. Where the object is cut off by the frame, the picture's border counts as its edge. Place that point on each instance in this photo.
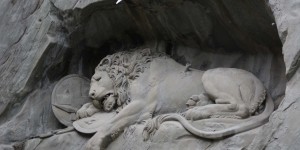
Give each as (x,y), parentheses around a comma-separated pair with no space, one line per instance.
(68,95)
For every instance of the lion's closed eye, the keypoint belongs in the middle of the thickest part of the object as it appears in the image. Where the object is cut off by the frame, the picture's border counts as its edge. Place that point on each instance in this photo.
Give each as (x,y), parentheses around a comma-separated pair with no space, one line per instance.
(97,78)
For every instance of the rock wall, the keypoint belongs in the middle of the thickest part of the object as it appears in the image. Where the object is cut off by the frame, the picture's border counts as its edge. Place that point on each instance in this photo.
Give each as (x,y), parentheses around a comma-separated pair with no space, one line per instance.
(44,40)
(30,45)
(282,132)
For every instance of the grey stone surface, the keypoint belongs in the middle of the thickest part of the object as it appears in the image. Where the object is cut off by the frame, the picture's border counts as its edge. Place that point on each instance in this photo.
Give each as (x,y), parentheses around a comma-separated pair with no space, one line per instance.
(26,40)
(283,132)
(42,41)
(287,18)
(66,141)
(171,135)
(177,139)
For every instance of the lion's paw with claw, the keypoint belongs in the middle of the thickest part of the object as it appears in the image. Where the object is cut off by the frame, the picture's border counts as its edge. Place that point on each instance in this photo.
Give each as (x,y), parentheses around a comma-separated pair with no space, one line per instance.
(86,110)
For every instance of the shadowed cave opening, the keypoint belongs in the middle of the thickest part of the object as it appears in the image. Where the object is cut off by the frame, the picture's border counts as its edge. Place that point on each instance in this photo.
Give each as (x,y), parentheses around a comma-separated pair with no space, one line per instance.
(206,34)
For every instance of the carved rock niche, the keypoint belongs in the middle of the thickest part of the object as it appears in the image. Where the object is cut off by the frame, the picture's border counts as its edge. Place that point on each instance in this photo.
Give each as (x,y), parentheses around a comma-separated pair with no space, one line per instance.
(206,34)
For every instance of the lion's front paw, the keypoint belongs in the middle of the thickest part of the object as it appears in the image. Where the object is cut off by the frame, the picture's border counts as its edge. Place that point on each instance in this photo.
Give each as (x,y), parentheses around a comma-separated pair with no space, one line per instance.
(98,142)
(92,145)
(86,110)
(150,128)
(192,101)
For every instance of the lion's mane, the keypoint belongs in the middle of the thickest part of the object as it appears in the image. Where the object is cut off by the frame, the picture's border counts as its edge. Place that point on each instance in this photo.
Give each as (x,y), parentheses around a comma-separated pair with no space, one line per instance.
(125,66)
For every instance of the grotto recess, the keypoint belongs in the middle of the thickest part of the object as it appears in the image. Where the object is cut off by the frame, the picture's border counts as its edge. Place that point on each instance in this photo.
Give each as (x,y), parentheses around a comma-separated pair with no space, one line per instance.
(143,75)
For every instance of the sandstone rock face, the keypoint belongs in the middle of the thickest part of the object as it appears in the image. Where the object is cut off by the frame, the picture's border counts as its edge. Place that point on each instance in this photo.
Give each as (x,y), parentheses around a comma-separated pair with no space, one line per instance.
(44,40)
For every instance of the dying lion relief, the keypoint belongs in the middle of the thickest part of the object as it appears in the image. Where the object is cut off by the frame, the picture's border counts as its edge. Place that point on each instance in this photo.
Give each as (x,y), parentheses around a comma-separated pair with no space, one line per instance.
(142,85)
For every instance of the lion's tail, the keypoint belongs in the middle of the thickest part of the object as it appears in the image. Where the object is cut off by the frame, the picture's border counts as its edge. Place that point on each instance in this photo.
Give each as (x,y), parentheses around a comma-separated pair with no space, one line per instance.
(245,125)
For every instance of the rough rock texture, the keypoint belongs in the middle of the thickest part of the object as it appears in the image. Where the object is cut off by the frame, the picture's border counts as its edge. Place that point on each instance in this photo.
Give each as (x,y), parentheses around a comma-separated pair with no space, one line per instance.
(283,131)
(72,141)
(26,41)
(44,40)
(170,132)
(178,138)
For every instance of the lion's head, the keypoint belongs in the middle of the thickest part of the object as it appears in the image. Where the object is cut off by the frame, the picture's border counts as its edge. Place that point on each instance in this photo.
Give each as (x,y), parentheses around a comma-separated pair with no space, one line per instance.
(102,91)
(110,83)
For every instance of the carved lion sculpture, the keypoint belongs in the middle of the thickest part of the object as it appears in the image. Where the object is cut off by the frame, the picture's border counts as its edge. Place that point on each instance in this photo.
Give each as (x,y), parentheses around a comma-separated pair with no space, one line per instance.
(141,85)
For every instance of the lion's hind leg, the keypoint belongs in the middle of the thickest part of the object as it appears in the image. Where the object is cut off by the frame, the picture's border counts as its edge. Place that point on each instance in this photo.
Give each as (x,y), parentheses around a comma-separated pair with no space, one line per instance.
(211,111)
(226,106)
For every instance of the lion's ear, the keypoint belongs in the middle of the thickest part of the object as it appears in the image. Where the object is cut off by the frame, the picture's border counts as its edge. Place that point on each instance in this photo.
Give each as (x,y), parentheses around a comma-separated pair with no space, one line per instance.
(105,62)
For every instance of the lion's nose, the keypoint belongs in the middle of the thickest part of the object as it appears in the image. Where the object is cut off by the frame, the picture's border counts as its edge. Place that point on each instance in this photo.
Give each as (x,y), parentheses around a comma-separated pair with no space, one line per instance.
(92,94)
